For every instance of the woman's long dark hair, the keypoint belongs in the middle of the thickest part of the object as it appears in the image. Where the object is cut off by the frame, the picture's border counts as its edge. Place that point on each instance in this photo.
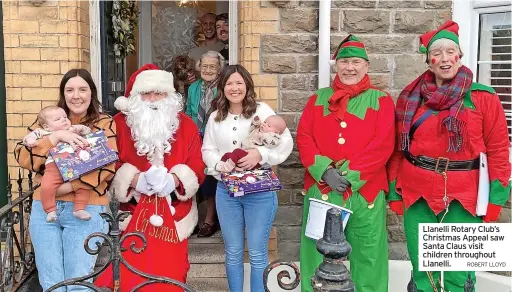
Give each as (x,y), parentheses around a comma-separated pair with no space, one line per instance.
(222,103)
(93,111)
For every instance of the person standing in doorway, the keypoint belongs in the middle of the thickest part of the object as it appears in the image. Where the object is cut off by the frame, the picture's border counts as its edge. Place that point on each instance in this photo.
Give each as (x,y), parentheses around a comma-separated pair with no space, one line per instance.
(211,43)
(345,137)
(201,95)
(222,28)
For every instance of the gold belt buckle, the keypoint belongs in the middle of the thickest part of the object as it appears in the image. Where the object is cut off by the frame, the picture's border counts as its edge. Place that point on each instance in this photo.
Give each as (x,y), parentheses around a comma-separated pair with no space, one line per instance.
(439,162)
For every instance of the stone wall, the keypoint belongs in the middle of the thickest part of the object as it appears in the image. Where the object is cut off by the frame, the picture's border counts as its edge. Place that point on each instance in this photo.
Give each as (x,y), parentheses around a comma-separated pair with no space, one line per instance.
(41,43)
(390,30)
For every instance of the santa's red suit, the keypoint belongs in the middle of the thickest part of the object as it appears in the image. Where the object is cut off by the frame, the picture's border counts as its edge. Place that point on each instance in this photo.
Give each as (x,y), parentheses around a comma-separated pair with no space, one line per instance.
(166,253)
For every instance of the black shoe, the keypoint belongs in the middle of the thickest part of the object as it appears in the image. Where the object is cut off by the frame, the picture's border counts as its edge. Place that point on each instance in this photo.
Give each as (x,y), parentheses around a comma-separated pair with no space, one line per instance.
(208,230)
(196,230)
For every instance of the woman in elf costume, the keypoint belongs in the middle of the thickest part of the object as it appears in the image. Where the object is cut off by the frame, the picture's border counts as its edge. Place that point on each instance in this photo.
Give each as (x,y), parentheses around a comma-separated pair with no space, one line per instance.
(345,136)
(444,121)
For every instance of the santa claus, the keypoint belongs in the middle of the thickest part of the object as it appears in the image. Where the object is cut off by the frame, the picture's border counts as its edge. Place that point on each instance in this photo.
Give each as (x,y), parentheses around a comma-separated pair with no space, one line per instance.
(159,159)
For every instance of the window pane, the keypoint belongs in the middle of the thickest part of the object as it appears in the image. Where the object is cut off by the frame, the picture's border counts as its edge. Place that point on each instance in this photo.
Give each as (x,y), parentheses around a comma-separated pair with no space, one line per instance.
(495,57)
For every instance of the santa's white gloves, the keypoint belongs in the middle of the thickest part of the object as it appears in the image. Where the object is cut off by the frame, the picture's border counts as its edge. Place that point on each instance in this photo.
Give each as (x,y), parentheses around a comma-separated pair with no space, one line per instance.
(167,188)
(157,181)
(156,177)
(160,181)
(143,186)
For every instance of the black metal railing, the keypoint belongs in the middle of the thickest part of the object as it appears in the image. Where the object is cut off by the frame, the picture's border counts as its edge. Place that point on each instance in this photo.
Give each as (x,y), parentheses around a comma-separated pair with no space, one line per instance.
(332,274)
(17,254)
(113,241)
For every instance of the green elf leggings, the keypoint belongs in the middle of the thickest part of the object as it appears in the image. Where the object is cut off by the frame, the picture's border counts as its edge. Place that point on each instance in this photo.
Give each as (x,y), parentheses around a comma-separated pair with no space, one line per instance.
(420,212)
(367,234)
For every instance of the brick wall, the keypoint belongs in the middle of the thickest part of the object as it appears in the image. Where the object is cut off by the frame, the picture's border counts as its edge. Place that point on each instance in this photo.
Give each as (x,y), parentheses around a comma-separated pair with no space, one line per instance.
(255,21)
(41,44)
(390,30)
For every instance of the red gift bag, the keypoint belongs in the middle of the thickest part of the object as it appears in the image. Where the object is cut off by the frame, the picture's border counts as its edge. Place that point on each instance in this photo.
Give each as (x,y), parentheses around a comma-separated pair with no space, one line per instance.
(164,256)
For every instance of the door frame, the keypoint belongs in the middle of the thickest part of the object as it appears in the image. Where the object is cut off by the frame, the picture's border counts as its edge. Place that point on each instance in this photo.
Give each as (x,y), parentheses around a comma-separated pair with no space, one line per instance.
(95,46)
(145,49)
(4,167)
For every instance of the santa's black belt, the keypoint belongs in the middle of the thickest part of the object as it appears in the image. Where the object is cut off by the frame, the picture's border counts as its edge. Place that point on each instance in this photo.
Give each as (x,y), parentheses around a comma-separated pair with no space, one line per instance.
(442,164)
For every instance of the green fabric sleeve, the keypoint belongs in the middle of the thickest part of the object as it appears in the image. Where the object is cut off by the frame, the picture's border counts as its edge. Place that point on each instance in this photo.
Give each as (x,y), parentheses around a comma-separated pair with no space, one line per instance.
(353,176)
(319,167)
(499,194)
(393,195)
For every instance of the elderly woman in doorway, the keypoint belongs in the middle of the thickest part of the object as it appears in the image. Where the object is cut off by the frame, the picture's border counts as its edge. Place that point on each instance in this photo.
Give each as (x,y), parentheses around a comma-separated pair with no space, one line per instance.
(59,245)
(201,95)
(444,121)
(345,165)
(227,127)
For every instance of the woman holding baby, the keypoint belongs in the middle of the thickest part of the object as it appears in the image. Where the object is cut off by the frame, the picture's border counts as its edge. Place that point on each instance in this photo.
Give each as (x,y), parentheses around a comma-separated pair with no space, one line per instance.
(59,244)
(227,128)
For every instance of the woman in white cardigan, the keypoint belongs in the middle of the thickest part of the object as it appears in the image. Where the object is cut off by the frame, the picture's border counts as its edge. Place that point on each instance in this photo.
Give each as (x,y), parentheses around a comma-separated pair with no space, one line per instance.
(227,127)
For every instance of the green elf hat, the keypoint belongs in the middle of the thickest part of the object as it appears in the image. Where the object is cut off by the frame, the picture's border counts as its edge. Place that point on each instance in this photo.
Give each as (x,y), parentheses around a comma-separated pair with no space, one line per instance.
(350,47)
(449,30)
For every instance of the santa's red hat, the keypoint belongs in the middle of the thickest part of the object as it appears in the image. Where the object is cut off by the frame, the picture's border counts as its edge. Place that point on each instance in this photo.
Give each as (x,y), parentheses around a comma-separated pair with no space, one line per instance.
(148,78)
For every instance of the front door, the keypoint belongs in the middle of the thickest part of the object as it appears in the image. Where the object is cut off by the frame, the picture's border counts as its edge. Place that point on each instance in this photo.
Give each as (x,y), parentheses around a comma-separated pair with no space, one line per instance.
(112,71)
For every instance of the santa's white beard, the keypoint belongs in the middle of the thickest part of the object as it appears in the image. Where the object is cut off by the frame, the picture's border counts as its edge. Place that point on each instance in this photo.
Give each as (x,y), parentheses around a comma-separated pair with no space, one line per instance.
(153,125)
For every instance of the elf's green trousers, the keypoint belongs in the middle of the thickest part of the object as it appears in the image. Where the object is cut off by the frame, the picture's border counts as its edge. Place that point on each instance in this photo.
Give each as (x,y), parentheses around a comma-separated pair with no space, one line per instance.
(367,234)
(420,212)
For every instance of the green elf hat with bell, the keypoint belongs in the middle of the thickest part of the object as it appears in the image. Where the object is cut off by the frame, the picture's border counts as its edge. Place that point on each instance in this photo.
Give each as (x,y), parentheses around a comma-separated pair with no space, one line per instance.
(350,47)
(449,30)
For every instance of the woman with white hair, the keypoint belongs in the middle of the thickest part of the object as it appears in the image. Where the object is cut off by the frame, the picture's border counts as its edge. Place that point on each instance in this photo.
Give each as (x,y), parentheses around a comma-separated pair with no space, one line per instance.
(444,121)
(201,95)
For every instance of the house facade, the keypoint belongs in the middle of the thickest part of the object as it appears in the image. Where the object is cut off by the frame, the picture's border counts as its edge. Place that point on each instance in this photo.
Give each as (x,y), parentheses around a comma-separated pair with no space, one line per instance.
(277,41)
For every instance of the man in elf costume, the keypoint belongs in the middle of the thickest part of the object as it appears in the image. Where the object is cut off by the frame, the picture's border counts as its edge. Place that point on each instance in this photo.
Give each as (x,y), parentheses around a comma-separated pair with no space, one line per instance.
(159,154)
(444,121)
(344,137)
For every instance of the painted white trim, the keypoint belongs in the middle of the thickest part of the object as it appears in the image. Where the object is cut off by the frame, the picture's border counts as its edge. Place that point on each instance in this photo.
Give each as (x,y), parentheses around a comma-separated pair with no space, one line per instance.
(145,47)
(467,14)
(490,3)
(95,45)
(233,32)
(324,43)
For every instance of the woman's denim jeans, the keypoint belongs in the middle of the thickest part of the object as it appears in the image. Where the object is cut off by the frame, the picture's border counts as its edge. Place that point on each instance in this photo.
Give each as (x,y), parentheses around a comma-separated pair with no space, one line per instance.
(59,246)
(255,214)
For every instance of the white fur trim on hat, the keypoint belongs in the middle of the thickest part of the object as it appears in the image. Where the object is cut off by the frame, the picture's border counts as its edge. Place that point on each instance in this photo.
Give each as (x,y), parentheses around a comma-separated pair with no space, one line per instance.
(186,225)
(121,182)
(331,62)
(121,104)
(153,80)
(188,179)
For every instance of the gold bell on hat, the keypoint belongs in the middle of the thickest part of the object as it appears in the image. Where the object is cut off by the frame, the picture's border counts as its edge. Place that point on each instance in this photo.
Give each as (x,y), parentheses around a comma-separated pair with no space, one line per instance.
(325,197)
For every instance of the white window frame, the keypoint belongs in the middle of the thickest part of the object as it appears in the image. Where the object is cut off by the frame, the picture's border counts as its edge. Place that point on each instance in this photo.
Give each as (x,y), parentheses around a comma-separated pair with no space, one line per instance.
(467,14)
